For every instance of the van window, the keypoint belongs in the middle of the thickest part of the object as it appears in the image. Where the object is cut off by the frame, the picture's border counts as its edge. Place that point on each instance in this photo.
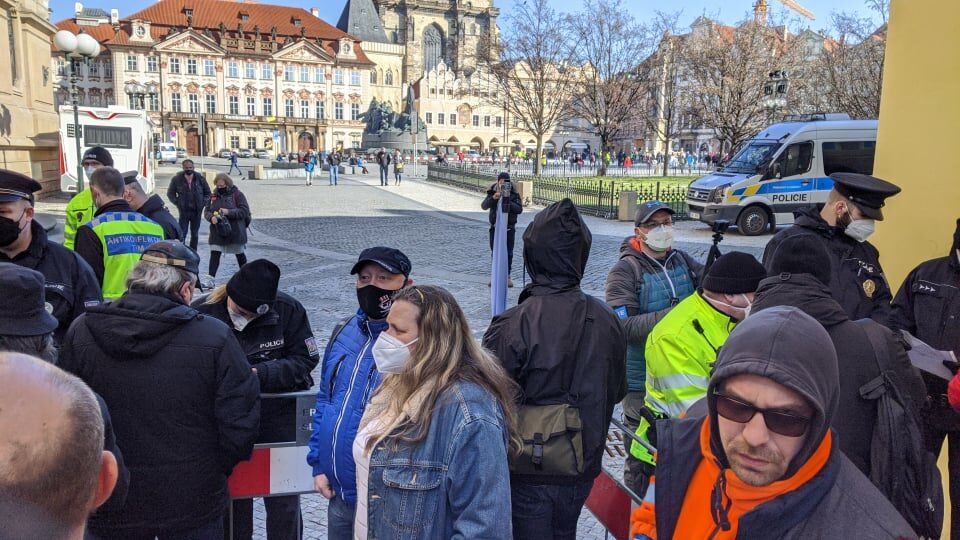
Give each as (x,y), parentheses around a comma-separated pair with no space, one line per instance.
(848,156)
(751,155)
(796,159)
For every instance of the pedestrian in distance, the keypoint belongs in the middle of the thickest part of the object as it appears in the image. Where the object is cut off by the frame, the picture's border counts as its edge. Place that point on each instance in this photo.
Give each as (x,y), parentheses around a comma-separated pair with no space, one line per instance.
(650,278)
(80,209)
(151,207)
(235,164)
(54,470)
(363,169)
(333,160)
(682,348)
(308,165)
(190,402)
(274,332)
(444,419)
(763,462)
(189,192)
(566,350)
(383,162)
(397,168)
(71,284)
(843,224)
(229,215)
(511,208)
(349,377)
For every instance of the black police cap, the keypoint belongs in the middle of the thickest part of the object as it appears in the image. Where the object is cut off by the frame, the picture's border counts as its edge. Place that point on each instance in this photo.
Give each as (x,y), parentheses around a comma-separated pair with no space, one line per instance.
(15,186)
(172,253)
(867,192)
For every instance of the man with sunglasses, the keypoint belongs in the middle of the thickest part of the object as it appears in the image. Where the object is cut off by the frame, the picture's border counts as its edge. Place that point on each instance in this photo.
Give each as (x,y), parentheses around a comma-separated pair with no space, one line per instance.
(764,463)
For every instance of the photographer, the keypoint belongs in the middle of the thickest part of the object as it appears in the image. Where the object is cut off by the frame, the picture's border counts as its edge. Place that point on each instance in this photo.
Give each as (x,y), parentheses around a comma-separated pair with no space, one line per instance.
(513,207)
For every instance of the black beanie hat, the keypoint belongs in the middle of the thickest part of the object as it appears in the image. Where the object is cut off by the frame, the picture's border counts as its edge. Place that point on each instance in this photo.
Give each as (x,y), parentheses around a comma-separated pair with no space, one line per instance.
(734,273)
(100,154)
(254,286)
(802,254)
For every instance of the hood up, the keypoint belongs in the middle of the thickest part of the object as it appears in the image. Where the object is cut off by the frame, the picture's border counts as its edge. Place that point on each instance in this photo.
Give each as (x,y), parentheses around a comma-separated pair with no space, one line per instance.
(789,347)
(556,246)
(137,325)
(800,291)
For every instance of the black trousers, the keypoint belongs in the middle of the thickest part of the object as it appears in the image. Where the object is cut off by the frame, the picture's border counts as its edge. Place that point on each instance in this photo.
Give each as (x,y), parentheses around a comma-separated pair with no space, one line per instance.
(939,424)
(215,261)
(283,519)
(511,237)
(191,218)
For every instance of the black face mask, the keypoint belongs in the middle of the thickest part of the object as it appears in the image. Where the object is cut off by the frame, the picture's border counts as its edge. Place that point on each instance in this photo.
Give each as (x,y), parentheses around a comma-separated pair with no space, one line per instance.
(10,230)
(222,190)
(375,302)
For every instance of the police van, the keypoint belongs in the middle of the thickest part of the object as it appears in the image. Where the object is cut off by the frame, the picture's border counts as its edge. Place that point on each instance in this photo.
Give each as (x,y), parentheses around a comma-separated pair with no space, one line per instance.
(785,167)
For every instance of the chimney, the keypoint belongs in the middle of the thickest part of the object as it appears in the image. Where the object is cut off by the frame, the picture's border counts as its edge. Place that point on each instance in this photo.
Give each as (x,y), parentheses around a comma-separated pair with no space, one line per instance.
(114,17)
(77,8)
(315,12)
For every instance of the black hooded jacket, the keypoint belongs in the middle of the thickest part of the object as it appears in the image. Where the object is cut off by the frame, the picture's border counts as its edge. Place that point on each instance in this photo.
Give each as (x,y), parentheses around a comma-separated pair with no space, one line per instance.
(858,283)
(855,417)
(512,209)
(837,502)
(154,209)
(184,402)
(558,334)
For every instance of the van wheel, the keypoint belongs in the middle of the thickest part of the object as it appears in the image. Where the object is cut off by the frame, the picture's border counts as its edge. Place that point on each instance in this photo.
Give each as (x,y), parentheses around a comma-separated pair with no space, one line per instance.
(753,221)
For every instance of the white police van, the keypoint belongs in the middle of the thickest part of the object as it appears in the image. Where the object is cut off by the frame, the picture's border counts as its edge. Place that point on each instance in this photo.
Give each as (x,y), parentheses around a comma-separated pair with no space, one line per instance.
(785,167)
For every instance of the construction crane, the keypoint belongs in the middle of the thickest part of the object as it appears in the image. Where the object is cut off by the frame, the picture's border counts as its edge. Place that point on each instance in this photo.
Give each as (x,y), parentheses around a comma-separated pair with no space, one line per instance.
(760,10)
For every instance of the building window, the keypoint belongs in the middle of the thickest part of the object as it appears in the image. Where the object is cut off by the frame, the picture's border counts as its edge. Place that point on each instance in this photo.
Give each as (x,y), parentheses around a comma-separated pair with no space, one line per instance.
(249,71)
(429,118)
(251,106)
(432,47)
(132,64)
(486,121)
(152,64)
(234,104)
(107,70)
(266,72)
(476,120)
(154,102)
(252,143)
(175,105)
(388,78)
(233,70)
(319,75)
(211,104)
(304,108)
(193,101)
(373,76)
(304,74)
(288,73)
(499,121)
(61,68)
(338,76)
(174,65)
(355,111)
(191,66)
(440,118)
(267,106)
(453,119)
(288,107)
(338,111)
(321,110)
(209,68)
(234,142)
(355,78)
(12,41)
(94,69)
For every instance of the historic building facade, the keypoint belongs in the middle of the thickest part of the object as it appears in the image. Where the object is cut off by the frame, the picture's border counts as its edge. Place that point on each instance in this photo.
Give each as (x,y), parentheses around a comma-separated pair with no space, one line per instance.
(261,76)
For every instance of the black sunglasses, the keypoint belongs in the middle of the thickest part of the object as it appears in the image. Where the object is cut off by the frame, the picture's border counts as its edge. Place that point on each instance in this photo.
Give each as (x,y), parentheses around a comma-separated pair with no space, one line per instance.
(783,423)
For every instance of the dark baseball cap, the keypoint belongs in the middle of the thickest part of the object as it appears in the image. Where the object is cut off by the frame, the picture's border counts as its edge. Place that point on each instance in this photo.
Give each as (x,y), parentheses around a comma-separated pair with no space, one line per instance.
(130,177)
(24,310)
(391,259)
(172,253)
(15,186)
(648,209)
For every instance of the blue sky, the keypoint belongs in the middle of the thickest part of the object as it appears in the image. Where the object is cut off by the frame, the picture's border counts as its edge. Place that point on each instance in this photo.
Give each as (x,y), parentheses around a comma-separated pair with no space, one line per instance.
(728,11)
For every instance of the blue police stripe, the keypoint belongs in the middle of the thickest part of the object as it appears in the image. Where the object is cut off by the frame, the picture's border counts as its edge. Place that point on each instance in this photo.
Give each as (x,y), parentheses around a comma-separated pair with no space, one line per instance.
(127,243)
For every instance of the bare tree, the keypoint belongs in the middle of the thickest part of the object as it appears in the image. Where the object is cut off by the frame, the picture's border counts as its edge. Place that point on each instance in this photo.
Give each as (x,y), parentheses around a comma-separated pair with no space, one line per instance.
(608,47)
(534,76)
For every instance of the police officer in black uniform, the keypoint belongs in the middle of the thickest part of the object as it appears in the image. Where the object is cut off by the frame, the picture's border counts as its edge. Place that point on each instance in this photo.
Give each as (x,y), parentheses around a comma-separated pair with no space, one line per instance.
(273,329)
(151,206)
(71,284)
(843,224)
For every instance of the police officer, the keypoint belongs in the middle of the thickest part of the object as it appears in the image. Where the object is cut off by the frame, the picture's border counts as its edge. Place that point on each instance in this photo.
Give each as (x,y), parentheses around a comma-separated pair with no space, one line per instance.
(70,283)
(843,224)
(273,330)
(80,209)
(151,206)
(112,242)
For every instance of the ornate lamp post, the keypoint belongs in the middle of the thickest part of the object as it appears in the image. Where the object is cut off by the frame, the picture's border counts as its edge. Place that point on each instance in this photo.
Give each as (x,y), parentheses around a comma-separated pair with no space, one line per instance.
(76,47)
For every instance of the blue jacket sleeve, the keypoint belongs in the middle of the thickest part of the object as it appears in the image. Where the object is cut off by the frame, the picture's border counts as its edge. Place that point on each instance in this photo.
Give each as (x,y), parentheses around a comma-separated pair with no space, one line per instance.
(478,482)
(313,456)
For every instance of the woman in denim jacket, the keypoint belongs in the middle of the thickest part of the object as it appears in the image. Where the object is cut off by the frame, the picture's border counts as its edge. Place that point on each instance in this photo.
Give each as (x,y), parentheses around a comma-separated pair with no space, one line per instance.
(432,448)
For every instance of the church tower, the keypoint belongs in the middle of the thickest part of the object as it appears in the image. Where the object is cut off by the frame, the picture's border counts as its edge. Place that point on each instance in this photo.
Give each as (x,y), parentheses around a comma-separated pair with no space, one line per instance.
(455,31)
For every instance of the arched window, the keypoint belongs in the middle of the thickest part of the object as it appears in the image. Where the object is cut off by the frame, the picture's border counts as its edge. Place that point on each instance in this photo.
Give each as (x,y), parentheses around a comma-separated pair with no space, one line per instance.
(373,76)
(432,47)
(388,80)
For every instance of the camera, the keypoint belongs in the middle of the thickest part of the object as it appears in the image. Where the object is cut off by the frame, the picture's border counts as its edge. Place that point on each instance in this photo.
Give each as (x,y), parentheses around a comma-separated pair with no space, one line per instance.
(505,189)
(720,226)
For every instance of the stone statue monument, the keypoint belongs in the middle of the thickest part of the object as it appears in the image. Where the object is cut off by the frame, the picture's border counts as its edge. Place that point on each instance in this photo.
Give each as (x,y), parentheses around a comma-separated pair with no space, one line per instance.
(388,129)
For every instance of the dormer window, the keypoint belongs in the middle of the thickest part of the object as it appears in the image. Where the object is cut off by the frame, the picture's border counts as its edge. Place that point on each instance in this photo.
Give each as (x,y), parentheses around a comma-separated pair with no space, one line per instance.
(188,12)
(296,22)
(244,16)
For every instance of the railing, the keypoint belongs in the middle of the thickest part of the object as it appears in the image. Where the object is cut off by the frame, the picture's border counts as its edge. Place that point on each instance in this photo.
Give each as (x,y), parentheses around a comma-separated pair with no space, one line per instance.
(565,168)
(599,199)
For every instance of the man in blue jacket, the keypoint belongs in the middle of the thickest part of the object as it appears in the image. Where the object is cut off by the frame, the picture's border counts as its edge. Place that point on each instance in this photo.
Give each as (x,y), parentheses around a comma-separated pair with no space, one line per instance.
(349,377)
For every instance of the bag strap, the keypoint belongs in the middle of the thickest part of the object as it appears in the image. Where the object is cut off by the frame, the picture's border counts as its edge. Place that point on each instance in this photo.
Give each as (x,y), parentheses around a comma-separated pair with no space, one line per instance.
(881,349)
(568,382)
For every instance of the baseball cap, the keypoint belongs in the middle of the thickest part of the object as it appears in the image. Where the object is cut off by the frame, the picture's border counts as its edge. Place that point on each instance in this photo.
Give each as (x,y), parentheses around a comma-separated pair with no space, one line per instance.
(172,253)
(24,310)
(391,259)
(647,209)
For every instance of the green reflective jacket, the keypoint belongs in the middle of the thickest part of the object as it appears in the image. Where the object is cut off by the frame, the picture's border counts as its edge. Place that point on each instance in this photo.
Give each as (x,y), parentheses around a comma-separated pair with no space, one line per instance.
(123,237)
(80,210)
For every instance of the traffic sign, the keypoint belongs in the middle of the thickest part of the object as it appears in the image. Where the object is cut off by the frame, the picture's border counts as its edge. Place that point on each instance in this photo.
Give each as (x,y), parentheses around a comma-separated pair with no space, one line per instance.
(173,134)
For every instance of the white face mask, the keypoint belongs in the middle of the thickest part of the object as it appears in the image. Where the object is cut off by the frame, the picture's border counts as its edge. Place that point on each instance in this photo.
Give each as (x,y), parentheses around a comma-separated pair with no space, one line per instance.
(89,171)
(390,354)
(661,238)
(860,229)
(239,321)
(744,310)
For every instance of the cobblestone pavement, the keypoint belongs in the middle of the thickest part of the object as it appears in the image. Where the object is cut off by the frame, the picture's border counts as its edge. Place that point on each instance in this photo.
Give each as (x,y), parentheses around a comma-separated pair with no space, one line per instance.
(314,233)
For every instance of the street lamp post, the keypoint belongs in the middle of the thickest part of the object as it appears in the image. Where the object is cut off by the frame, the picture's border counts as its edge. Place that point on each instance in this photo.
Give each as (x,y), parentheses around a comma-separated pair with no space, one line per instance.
(775,92)
(137,93)
(76,47)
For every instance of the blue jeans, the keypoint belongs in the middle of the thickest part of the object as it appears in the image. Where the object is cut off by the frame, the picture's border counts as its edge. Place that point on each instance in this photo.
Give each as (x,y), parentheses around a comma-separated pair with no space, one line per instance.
(543,512)
(340,519)
(210,531)
(235,166)
(334,174)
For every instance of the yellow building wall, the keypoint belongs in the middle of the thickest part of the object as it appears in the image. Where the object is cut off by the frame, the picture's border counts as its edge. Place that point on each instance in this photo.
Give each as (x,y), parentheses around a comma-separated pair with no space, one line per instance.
(917,146)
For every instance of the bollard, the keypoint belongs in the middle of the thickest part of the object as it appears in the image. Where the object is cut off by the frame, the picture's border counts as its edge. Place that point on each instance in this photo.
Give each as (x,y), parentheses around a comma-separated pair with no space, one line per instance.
(258,173)
(525,190)
(627,209)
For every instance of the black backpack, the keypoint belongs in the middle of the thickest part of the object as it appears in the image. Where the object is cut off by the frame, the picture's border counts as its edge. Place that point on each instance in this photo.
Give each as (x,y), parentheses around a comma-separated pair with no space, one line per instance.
(900,465)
